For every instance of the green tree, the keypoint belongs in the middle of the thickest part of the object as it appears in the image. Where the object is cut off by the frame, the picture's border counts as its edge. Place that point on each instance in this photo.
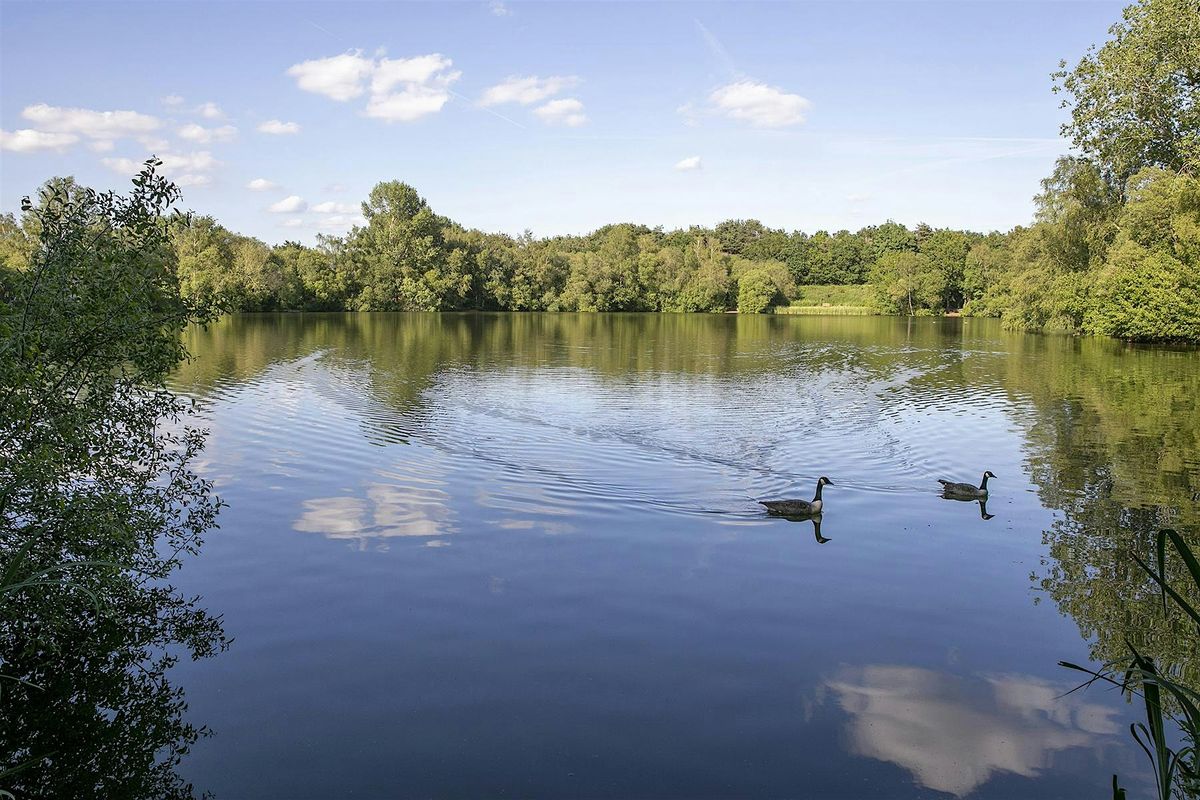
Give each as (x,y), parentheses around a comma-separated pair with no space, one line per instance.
(400,257)
(739,236)
(314,278)
(204,252)
(258,276)
(1135,101)
(16,253)
(607,278)
(695,276)
(908,283)
(947,251)
(890,237)
(1077,210)
(985,265)
(1149,287)
(755,291)
(98,501)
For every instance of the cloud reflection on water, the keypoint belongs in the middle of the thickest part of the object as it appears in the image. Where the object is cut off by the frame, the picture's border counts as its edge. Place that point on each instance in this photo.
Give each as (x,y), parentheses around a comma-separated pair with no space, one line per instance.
(953,734)
(388,510)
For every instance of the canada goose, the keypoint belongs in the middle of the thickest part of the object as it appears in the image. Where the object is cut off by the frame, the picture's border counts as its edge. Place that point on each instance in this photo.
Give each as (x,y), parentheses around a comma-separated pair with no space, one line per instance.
(965,489)
(798,508)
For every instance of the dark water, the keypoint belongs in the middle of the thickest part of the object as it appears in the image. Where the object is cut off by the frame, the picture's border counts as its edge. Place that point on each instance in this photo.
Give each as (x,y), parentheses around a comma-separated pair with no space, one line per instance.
(482,556)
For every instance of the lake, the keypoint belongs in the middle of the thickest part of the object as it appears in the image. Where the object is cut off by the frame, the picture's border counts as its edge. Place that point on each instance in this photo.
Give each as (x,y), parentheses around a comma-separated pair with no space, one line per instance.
(473,555)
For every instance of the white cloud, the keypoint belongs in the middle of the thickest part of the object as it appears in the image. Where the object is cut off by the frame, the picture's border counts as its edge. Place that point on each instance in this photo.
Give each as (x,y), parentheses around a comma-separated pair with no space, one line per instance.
(261,185)
(184,168)
(339,222)
(499,9)
(402,89)
(430,69)
(857,198)
(189,179)
(407,105)
(125,165)
(526,89)
(201,161)
(198,133)
(102,146)
(335,188)
(288,205)
(760,105)
(691,117)
(153,144)
(278,127)
(687,164)
(89,123)
(210,110)
(567,111)
(172,100)
(424,82)
(330,207)
(29,141)
(294,222)
(338,77)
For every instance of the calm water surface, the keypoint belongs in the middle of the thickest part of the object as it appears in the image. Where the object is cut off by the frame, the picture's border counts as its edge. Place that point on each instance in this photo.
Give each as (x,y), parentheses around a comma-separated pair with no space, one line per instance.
(519,555)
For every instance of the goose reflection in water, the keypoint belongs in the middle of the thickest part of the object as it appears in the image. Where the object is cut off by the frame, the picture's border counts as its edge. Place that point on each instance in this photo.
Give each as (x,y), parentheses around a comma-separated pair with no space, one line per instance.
(982,501)
(815,520)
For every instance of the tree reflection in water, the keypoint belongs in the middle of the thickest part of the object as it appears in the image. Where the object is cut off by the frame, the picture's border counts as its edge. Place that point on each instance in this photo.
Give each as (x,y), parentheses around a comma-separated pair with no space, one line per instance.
(94,714)
(1108,431)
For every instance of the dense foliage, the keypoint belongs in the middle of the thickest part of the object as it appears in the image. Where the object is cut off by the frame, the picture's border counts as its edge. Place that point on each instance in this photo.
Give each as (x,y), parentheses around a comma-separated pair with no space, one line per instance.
(408,258)
(1133,101)
(97,499)
(1115,244)
(1114,248)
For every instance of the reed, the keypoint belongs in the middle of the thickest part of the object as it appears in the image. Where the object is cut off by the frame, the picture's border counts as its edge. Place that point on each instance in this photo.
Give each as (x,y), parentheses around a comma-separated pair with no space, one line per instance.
(1176,771)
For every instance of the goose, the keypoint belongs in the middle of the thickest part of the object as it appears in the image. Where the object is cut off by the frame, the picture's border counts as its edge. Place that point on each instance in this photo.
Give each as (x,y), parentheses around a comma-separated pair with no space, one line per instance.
(798,508)
(965,489)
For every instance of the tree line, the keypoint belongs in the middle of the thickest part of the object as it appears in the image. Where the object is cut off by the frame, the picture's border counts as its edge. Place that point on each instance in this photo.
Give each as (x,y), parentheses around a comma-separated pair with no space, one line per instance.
(1113,249)
(408,258)
(1096,259)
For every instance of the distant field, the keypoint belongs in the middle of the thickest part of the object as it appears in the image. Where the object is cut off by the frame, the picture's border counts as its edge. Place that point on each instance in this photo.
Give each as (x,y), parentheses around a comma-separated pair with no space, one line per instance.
(845,311)
(819,299)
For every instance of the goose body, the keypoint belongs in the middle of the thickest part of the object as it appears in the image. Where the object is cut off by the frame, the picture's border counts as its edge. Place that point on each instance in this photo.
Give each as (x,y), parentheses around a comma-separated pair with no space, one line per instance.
(799,508)
(965,489)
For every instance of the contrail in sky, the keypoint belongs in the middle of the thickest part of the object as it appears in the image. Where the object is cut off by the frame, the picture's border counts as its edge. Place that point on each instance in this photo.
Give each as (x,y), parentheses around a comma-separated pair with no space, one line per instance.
(718,49)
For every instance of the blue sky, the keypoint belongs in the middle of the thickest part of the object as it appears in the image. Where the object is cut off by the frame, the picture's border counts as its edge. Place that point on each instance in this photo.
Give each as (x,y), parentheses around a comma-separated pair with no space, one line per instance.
(555,117)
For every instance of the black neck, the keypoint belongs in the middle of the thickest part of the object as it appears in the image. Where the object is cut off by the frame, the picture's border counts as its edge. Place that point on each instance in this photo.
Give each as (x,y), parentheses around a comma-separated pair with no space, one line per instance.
(818,495)
(983,483)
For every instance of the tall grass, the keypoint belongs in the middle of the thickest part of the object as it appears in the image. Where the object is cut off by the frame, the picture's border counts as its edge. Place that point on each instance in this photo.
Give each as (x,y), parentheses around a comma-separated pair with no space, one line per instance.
(1176,771)
(844,311)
